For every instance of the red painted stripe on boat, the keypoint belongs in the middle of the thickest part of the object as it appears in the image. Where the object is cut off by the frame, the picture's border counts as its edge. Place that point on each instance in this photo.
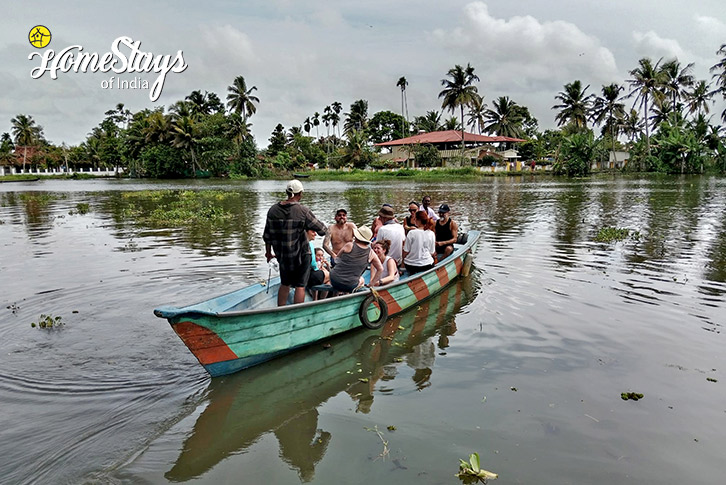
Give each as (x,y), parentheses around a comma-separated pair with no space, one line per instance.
(206,345)
(419,288)
(443,276)
(393,306)
(459,264)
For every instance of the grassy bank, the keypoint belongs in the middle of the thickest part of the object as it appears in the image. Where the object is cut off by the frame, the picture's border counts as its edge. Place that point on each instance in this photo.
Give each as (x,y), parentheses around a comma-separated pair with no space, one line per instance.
(433,175)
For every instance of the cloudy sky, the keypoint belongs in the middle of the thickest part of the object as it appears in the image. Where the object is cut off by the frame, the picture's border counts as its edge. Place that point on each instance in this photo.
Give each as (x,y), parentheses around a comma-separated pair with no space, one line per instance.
(302,56)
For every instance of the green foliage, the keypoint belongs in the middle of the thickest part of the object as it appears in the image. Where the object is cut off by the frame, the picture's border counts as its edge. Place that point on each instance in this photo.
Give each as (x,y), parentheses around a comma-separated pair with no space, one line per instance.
(613,234)
(578,152)
(48,321)
(39,198)
(386,126)
(426,155)
(162,161)
(635,396)
(489,160)
(471,471)
(244,160)
(81,208)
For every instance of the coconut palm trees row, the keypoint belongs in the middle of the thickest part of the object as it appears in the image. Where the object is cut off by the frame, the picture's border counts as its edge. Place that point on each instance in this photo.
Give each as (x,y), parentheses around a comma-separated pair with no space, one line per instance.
(656,88)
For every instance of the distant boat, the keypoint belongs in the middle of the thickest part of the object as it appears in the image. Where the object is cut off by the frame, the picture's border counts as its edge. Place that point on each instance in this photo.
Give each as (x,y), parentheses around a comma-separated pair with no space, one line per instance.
(246,327)
(301,175)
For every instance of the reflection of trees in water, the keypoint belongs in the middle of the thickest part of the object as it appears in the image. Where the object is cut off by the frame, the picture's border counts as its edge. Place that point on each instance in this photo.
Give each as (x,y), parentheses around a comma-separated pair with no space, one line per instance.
(33,210)
(215,237)
(715,269)
(283,396)
(570,205)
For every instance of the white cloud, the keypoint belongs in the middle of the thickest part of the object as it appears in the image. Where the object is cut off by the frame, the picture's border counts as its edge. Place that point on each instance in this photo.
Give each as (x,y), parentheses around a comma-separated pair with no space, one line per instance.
(526,53)
(710,27)
(653,45)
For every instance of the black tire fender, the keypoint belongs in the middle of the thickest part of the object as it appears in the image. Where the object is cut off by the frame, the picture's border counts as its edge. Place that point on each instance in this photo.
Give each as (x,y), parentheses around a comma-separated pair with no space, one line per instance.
(363,312)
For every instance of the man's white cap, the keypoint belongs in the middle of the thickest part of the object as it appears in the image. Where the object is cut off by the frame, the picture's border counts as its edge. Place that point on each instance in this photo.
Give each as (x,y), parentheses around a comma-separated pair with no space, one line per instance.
(294,187)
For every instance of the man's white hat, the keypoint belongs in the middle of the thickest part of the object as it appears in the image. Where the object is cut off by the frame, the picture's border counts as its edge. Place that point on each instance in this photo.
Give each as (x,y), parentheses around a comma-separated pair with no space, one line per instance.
(294,187)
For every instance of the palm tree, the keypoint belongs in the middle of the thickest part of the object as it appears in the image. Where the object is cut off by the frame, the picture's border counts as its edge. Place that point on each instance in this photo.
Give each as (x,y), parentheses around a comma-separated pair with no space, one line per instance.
(676,80)
(431,121)
(402,83)
(699,98)
(477,113)
(158,128)
(505,119)
(607,111)
(185,137)
(26,133)
(327,120)
(307,125)
(239,129)
(631,125)
(240,99)
(574,105)
(316,123)
(719,73)
(337,108)
(647,81)
(459,91)
(357,119)
(452,124)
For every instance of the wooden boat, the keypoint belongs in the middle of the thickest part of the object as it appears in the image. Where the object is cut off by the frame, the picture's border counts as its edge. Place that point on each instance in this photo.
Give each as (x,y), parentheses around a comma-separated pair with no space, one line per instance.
(282,396)
(244,328)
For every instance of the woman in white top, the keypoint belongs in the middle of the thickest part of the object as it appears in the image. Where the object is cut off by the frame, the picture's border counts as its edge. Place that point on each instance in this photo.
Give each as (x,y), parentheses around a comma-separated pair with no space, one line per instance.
(419,249)
(390,268)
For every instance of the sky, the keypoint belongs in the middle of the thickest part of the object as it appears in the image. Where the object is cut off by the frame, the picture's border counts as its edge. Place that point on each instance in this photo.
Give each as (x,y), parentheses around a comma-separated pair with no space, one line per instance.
(303,56)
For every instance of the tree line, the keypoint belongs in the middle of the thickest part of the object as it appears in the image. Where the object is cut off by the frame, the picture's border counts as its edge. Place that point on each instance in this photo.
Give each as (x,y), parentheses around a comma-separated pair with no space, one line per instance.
(661,115)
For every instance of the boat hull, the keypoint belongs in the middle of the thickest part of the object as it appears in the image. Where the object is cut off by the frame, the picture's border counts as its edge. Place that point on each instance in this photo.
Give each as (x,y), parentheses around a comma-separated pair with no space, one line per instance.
(226,339)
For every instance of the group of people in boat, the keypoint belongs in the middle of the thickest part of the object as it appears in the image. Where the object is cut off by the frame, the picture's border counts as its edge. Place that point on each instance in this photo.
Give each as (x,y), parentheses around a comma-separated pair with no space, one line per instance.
(388,246)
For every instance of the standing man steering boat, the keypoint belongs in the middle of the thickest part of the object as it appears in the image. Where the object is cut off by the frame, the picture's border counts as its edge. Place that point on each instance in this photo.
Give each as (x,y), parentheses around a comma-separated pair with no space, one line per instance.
(285,233)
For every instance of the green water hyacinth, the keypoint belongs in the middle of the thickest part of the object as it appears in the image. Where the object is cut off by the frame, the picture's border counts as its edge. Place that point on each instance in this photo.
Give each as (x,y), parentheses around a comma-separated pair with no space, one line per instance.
(471,472)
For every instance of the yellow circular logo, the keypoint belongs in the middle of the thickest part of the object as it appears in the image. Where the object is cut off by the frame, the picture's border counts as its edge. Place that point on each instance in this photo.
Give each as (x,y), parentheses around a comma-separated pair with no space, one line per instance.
(39,36)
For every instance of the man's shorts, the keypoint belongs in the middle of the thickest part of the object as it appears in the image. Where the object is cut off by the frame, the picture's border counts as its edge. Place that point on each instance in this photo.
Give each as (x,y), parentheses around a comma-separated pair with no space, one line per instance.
(317,277)
(297,276)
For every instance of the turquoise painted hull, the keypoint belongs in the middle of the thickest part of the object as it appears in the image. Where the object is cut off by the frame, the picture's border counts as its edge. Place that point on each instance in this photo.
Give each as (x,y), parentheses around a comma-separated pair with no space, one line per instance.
(244,328)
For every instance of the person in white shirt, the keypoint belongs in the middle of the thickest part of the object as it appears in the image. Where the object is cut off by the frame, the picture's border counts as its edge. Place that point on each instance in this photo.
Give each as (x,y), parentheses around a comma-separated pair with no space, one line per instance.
(419,250)
(392,231)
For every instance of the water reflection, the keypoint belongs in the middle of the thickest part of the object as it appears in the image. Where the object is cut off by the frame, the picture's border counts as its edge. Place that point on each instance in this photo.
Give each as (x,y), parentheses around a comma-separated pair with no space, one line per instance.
(282,397)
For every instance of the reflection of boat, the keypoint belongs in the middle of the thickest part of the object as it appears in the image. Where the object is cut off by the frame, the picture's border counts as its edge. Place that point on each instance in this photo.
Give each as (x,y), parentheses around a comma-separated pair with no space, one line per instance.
(282,396)
(244,328)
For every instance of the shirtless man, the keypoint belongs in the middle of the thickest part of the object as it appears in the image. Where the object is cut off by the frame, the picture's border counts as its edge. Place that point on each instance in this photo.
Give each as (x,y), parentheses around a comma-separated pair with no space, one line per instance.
(338,235)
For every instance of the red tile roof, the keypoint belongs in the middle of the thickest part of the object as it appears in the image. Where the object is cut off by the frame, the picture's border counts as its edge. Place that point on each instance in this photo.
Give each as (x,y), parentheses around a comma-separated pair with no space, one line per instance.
(450,136)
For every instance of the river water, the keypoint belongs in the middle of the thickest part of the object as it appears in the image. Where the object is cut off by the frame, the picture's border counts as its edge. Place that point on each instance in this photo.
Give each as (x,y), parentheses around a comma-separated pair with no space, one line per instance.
(524,362)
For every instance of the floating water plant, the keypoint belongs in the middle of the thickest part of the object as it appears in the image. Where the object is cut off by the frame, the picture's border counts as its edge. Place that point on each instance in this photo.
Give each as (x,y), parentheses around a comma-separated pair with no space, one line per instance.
(81,208)
(631,395)
(613,234)
(48,321)
(711,379)
(471,472)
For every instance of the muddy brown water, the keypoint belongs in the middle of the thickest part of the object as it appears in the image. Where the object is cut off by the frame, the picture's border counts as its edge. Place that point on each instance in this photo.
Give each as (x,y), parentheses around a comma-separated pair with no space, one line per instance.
(524,362)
